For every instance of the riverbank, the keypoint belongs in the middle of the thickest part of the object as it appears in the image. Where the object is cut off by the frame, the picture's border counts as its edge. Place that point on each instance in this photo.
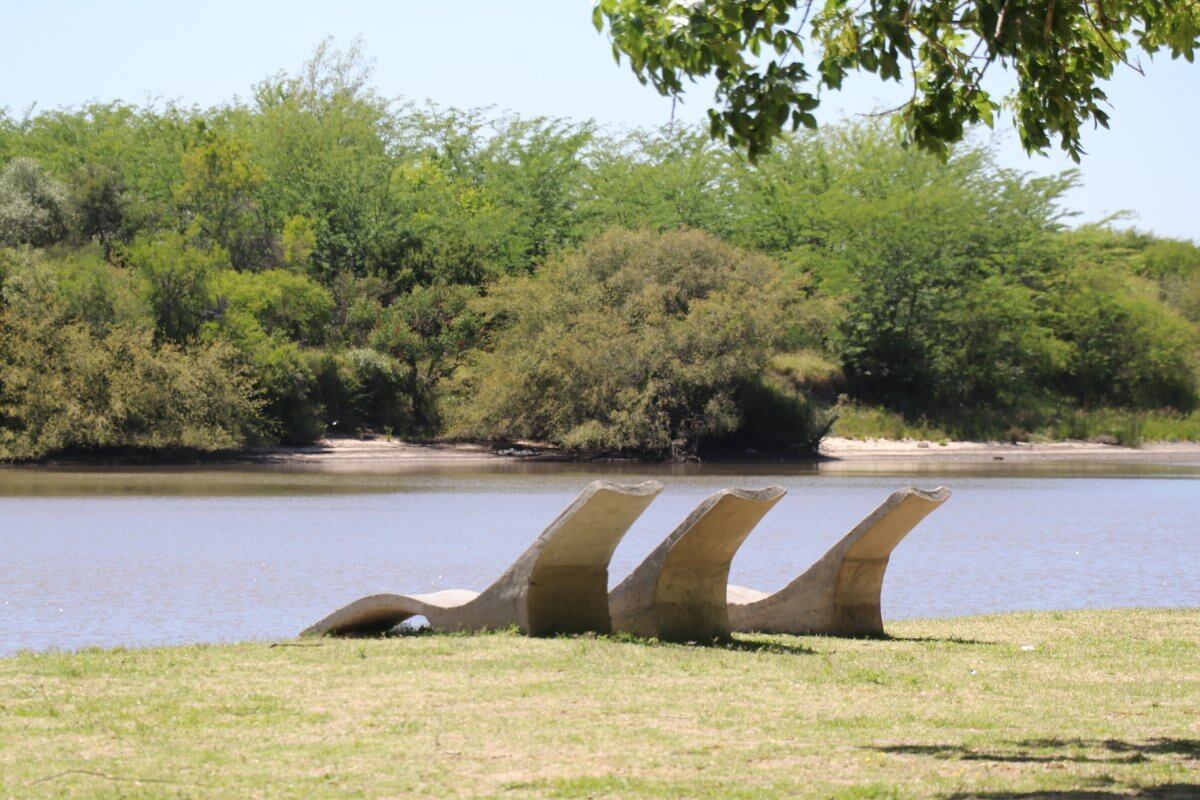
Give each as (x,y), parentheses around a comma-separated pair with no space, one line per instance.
(380,451)
(1047,705)
(369,452)
(846,448)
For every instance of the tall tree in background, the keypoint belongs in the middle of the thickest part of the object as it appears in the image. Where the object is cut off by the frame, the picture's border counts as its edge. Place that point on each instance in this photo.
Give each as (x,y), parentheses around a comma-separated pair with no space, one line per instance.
(772,58)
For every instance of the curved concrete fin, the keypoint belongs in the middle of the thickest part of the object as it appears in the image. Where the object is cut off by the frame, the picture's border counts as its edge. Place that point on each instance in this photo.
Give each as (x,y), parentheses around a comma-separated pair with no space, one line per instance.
(678,592)
(568,584)
(368,616)
(558,585)
(840,594)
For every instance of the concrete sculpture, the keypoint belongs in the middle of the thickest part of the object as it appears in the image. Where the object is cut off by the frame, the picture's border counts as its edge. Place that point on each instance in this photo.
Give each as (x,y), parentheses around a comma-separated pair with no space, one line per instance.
(559,585)
(679,591)
(840,593)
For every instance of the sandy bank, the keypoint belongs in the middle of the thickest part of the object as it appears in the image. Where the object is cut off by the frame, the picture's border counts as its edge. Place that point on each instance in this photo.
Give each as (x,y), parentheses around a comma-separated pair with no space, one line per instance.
(381,451)
(846,449)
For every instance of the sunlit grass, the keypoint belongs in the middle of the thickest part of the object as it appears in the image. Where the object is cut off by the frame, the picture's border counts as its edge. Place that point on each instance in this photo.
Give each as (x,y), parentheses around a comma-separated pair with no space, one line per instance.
(1127,427)
(1106,425)
(856,421)
(1107,702)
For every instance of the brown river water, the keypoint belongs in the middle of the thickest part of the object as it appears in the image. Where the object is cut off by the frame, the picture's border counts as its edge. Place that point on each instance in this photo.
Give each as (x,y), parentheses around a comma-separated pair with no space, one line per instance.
(135,557)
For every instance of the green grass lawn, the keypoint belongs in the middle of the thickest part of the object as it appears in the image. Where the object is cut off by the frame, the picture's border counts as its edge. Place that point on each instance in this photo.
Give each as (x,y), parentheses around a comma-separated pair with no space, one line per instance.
(1049,705)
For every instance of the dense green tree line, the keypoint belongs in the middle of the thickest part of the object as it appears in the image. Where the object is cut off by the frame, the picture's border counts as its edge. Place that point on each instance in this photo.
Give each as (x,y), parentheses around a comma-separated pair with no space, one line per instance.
(318,258)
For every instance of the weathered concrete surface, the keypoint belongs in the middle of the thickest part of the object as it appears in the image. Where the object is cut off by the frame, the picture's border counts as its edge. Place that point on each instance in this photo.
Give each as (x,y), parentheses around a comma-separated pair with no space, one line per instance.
(559,585)
(840,593)
(678,592)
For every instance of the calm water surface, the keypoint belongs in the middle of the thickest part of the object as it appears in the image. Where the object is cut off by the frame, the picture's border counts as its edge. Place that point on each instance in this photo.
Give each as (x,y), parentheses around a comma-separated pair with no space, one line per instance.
(143,557)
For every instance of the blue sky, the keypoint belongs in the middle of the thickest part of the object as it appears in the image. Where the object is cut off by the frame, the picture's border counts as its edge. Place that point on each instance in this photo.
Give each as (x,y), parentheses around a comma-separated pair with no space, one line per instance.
(530,56)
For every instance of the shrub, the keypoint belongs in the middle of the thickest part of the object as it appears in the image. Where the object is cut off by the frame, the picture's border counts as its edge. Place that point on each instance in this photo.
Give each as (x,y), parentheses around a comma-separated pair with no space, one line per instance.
(1183,293)
(422,337)
(942,309)
(1127,347)
(33,206)
(637,342)
(101,206)
(66,388)
(176,282)
(274,302)
(777,417)
(379,390)
(72,382)
(810,373)
(283,374)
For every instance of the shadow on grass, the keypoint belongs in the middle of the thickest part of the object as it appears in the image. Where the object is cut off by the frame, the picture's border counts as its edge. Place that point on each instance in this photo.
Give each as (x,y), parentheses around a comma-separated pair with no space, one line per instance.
(732,645)
(397,632)
(740,645)
(887,637)
(1189,748)
(1117,752)
(1114,751)
(1166,791)
(410,632)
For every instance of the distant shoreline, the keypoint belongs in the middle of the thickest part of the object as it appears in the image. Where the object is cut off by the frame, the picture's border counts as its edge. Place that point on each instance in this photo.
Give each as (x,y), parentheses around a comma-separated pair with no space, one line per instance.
(856,449)
(835,448)
(373,451)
